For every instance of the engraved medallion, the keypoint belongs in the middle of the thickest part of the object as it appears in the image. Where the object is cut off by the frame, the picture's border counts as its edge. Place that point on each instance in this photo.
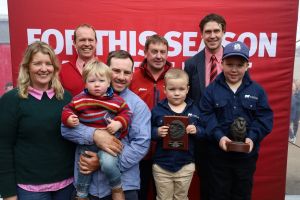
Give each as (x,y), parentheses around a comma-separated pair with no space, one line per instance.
(176,139)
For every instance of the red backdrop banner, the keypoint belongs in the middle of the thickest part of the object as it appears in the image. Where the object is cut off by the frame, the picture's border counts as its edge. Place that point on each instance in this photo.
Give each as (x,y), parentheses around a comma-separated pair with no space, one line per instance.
(267,27)
(5,69)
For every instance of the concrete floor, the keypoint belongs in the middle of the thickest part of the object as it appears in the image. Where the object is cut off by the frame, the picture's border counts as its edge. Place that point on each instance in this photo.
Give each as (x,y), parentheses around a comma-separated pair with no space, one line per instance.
(293,170)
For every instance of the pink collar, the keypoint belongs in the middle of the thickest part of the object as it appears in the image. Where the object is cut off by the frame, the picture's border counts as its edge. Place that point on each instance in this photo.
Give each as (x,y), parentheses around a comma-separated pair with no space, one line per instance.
(218,55)
(39,94)
(80,63)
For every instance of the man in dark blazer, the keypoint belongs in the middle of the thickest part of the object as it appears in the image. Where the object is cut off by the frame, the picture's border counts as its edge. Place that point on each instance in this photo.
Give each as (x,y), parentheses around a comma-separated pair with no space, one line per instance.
(212,29)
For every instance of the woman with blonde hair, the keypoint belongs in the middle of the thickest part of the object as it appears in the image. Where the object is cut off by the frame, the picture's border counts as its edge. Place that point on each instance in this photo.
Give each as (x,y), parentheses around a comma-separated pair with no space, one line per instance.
(36,163)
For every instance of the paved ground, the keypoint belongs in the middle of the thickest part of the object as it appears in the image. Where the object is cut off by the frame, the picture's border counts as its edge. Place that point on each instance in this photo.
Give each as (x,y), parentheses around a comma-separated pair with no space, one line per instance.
(293,171)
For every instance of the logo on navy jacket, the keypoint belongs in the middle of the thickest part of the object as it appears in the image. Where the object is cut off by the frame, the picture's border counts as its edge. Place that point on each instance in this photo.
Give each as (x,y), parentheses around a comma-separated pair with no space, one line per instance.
(193,115)
(248,96)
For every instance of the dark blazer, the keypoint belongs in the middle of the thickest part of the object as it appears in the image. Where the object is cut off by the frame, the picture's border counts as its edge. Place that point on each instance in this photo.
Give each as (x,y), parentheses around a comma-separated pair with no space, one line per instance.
(195,68)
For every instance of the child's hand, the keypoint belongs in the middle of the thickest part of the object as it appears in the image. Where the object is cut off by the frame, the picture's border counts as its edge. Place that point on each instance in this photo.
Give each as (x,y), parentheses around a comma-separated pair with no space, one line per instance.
(73,120)
(222,143)
(162,131)
(113,126)
(250,142)
(191,129)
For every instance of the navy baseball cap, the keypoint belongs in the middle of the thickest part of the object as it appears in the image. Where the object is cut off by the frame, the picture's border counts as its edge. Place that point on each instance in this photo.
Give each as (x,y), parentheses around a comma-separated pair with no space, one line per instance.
(236,49)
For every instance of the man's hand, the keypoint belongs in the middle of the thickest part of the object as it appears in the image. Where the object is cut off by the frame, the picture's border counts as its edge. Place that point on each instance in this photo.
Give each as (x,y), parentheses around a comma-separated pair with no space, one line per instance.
(250,142)
(222,143)
(89,162)
(107,142)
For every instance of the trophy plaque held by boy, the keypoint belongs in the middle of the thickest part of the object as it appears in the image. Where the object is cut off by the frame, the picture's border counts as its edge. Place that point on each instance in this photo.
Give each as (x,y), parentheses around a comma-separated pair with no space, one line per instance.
(238,130)
(177,139)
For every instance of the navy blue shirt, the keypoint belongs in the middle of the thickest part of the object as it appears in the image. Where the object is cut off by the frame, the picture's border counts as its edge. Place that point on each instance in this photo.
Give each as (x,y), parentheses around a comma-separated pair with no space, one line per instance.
(220,106)
(174,160)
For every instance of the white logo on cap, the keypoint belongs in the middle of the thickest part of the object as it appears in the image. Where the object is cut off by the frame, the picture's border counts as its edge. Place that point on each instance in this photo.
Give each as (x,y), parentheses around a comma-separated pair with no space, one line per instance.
(237,47)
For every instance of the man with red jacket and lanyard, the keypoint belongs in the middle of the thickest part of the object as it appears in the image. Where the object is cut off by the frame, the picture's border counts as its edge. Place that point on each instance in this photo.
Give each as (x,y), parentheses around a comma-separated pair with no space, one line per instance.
(148,84)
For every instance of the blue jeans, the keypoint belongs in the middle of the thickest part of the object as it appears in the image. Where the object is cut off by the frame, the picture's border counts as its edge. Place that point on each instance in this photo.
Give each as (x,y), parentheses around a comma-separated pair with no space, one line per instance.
(109,166)
(62,194)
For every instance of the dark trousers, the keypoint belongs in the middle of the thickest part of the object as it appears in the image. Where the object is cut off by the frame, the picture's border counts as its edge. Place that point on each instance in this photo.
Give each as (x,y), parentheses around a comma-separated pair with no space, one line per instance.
(296,123)
(202,167)
(146,179)
(231,179)
(62,194)
(129,195)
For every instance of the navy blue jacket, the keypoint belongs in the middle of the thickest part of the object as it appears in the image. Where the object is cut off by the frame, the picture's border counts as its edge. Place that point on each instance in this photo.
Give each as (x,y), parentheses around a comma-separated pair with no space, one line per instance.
(195,68)
(220,106)
(173,160)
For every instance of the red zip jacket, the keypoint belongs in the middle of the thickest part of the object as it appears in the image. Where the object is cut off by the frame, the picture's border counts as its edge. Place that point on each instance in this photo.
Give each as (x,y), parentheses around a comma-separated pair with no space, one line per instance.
(151,91)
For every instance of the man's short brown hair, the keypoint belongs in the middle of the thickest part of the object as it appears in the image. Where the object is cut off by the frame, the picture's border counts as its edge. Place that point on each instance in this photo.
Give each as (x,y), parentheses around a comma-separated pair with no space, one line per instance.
(155,39)
(121,54)
(86,26)
(213,18)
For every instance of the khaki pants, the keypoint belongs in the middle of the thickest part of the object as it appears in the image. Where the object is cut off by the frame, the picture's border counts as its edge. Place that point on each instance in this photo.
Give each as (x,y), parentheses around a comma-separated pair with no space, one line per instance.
(173,185)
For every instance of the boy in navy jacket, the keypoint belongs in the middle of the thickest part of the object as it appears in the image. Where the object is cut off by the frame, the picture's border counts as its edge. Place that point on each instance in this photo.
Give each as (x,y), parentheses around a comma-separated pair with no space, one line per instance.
(173,169)
(233,94)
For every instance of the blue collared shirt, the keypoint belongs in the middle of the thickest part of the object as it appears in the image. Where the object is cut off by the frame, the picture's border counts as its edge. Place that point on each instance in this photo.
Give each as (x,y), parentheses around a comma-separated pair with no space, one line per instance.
(136,145)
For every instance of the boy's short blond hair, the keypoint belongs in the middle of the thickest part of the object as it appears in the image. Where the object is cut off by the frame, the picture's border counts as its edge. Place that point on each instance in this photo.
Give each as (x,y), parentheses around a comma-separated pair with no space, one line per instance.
(176,74)
(97,68)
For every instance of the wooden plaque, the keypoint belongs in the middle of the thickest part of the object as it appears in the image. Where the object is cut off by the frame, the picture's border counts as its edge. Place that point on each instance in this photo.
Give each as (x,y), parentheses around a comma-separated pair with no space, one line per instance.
(238,147)
(176,139)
